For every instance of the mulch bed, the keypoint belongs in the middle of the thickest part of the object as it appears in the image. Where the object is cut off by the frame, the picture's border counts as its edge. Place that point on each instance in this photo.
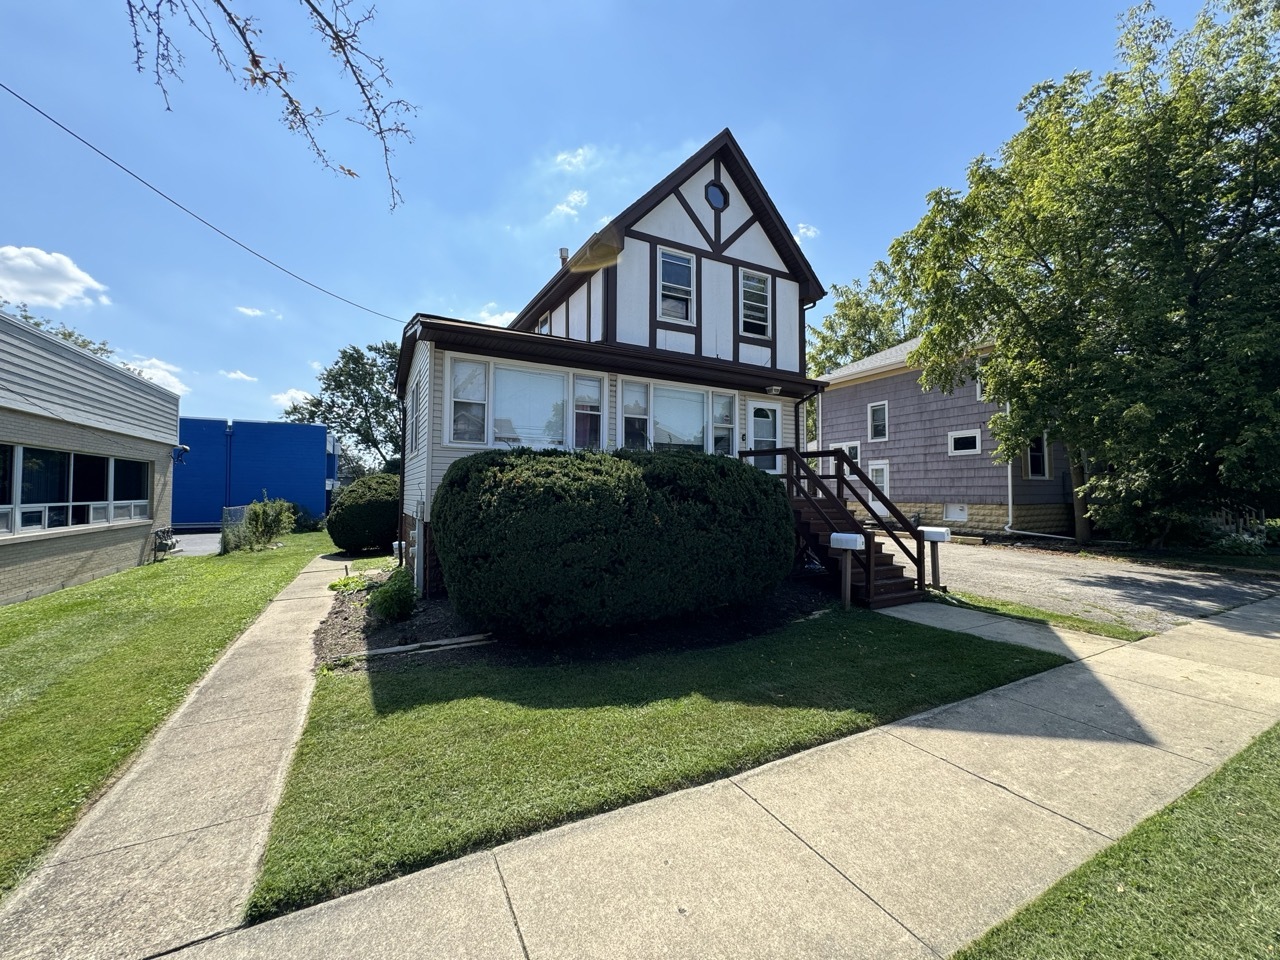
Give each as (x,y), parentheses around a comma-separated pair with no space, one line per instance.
(350,631)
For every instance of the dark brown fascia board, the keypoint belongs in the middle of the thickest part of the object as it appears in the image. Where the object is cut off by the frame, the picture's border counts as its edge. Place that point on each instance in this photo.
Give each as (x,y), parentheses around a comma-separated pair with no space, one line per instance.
(508,344)
(603,247)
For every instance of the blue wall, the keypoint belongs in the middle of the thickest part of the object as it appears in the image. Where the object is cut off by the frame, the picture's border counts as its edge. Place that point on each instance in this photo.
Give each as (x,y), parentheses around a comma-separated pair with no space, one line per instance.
(230,464)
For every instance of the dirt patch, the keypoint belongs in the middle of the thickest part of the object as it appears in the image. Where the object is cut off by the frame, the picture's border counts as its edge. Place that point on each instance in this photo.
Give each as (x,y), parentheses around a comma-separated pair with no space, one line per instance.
(350,631)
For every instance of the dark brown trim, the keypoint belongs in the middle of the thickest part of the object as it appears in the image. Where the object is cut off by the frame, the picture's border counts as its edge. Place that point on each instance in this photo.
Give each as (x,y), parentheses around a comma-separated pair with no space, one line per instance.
(654,283)
(737,235)
(737,292)
(697,298)
(589,285)
(626,360)
(685,248)
(773,322)
(715,172)
(611,304)
(697,221)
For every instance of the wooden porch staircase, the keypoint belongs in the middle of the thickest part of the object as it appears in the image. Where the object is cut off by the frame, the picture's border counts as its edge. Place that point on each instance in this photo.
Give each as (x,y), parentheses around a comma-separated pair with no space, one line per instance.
(881,578)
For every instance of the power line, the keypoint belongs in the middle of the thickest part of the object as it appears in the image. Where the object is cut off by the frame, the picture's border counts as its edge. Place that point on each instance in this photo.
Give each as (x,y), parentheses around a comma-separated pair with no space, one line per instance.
(190,213)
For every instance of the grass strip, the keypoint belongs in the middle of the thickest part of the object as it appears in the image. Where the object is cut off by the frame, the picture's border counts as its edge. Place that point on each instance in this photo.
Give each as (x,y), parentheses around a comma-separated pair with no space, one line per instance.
(1198,881)
(1068,621)
(88,672)
(400,770)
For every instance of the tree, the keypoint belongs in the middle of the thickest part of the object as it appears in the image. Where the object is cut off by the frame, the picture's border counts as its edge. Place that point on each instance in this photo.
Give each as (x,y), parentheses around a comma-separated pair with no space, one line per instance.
(1118,267)
(358,400)
(155,50)
(867,319)
(99,348)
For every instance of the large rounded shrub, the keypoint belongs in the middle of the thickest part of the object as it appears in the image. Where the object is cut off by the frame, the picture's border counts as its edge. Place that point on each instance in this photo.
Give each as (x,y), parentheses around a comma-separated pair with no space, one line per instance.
(544,542)
(366,514)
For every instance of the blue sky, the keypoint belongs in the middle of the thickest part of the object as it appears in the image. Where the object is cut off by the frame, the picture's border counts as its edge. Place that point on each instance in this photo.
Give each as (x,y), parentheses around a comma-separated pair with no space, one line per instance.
(536,122)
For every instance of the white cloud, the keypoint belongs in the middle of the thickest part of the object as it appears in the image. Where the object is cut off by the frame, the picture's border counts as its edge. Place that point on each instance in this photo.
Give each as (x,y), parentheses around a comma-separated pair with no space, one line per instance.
(250,311)
(104,300)
(576,161)
(500,319)
(316,365)
(290,396)
(40,279)
(238,375)
(805,231)
(164,374)
(570,205)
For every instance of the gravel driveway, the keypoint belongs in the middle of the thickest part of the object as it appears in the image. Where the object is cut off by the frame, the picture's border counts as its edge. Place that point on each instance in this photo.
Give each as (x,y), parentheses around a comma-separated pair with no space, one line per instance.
(1142,596)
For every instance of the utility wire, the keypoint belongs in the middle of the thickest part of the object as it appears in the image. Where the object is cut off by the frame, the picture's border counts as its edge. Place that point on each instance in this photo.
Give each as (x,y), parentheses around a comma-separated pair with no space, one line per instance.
(190,213)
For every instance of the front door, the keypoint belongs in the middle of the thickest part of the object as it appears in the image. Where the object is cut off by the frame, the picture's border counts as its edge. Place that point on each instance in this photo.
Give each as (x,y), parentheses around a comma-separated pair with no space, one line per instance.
(764,432)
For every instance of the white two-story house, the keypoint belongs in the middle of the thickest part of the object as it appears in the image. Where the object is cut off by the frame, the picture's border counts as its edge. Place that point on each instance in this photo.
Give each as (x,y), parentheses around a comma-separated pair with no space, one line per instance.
(679,325)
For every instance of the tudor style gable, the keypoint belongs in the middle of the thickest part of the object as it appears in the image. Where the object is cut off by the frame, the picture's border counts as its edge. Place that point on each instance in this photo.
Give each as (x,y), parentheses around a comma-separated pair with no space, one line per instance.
(702,265)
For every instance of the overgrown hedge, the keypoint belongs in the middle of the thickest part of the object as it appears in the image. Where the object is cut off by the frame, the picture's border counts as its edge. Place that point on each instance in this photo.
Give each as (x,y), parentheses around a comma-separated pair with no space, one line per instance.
(366,514)
(546,543)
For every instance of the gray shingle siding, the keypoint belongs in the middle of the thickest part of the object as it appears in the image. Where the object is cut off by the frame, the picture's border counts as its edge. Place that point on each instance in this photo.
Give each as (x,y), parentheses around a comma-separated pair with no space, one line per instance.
(920,469)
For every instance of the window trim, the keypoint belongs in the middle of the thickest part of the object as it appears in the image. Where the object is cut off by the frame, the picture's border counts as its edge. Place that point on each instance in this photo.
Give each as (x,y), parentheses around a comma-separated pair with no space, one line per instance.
(871,437)
(742,305)
(491,364)
(571,443)
(135,510)
(709,423)
(690,319)
(1048,461)
(955,435)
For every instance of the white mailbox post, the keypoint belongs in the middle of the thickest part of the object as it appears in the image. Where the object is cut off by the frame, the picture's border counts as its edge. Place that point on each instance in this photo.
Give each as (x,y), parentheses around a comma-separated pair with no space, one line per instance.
(934,536)
(846,543)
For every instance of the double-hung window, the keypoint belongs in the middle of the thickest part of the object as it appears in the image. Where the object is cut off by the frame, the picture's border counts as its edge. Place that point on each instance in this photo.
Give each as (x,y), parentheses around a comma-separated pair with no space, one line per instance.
(469,397)
(723,407)
(675,286)
(878,420)
(754,304)
(1036,464)
(635,415)
(587,413)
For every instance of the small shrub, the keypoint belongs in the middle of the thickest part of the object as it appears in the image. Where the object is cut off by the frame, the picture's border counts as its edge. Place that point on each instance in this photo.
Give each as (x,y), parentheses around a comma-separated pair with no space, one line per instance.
(546,543)
(1239,545)
(394,599)
(366,514)
(304,521)
(1273,533)
(265,521)
(352,584)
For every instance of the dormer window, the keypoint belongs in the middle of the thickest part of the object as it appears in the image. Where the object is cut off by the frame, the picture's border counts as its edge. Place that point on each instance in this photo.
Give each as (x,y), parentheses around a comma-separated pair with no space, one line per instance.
(675,286)
(717,196)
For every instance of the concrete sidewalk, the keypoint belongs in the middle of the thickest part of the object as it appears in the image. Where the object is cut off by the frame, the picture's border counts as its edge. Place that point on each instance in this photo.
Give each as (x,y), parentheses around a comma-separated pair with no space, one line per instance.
(171,851)
(906,841)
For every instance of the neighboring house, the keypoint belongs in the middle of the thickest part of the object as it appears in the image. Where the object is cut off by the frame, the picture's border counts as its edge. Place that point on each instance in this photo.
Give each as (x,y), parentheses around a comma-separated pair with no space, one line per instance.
(86,463)
(932,452)
(679,325)
(231,463)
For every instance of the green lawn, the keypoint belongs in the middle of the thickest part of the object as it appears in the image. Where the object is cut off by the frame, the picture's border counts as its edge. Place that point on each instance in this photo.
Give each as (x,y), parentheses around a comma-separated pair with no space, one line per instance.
(1067,621)
(399,770)
(1198,881)
(88,672)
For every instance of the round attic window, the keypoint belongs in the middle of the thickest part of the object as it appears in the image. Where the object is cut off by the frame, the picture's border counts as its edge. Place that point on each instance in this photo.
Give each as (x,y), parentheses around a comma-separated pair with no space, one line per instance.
(717,195)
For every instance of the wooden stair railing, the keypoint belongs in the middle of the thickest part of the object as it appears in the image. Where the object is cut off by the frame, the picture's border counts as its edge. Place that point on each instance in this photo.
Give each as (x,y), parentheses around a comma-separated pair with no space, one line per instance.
(820,512)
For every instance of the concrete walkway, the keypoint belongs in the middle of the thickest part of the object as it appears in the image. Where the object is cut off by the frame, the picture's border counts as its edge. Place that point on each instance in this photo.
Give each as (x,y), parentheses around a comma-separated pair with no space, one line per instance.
(906,841)
(170,852)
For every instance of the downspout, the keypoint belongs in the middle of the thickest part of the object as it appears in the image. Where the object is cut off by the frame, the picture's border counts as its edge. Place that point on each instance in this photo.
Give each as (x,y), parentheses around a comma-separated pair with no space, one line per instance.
(1008,527)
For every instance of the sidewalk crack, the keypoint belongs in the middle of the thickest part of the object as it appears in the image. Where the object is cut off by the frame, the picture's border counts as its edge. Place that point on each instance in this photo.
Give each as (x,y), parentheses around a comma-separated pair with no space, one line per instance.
(511,908)
(849,880)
